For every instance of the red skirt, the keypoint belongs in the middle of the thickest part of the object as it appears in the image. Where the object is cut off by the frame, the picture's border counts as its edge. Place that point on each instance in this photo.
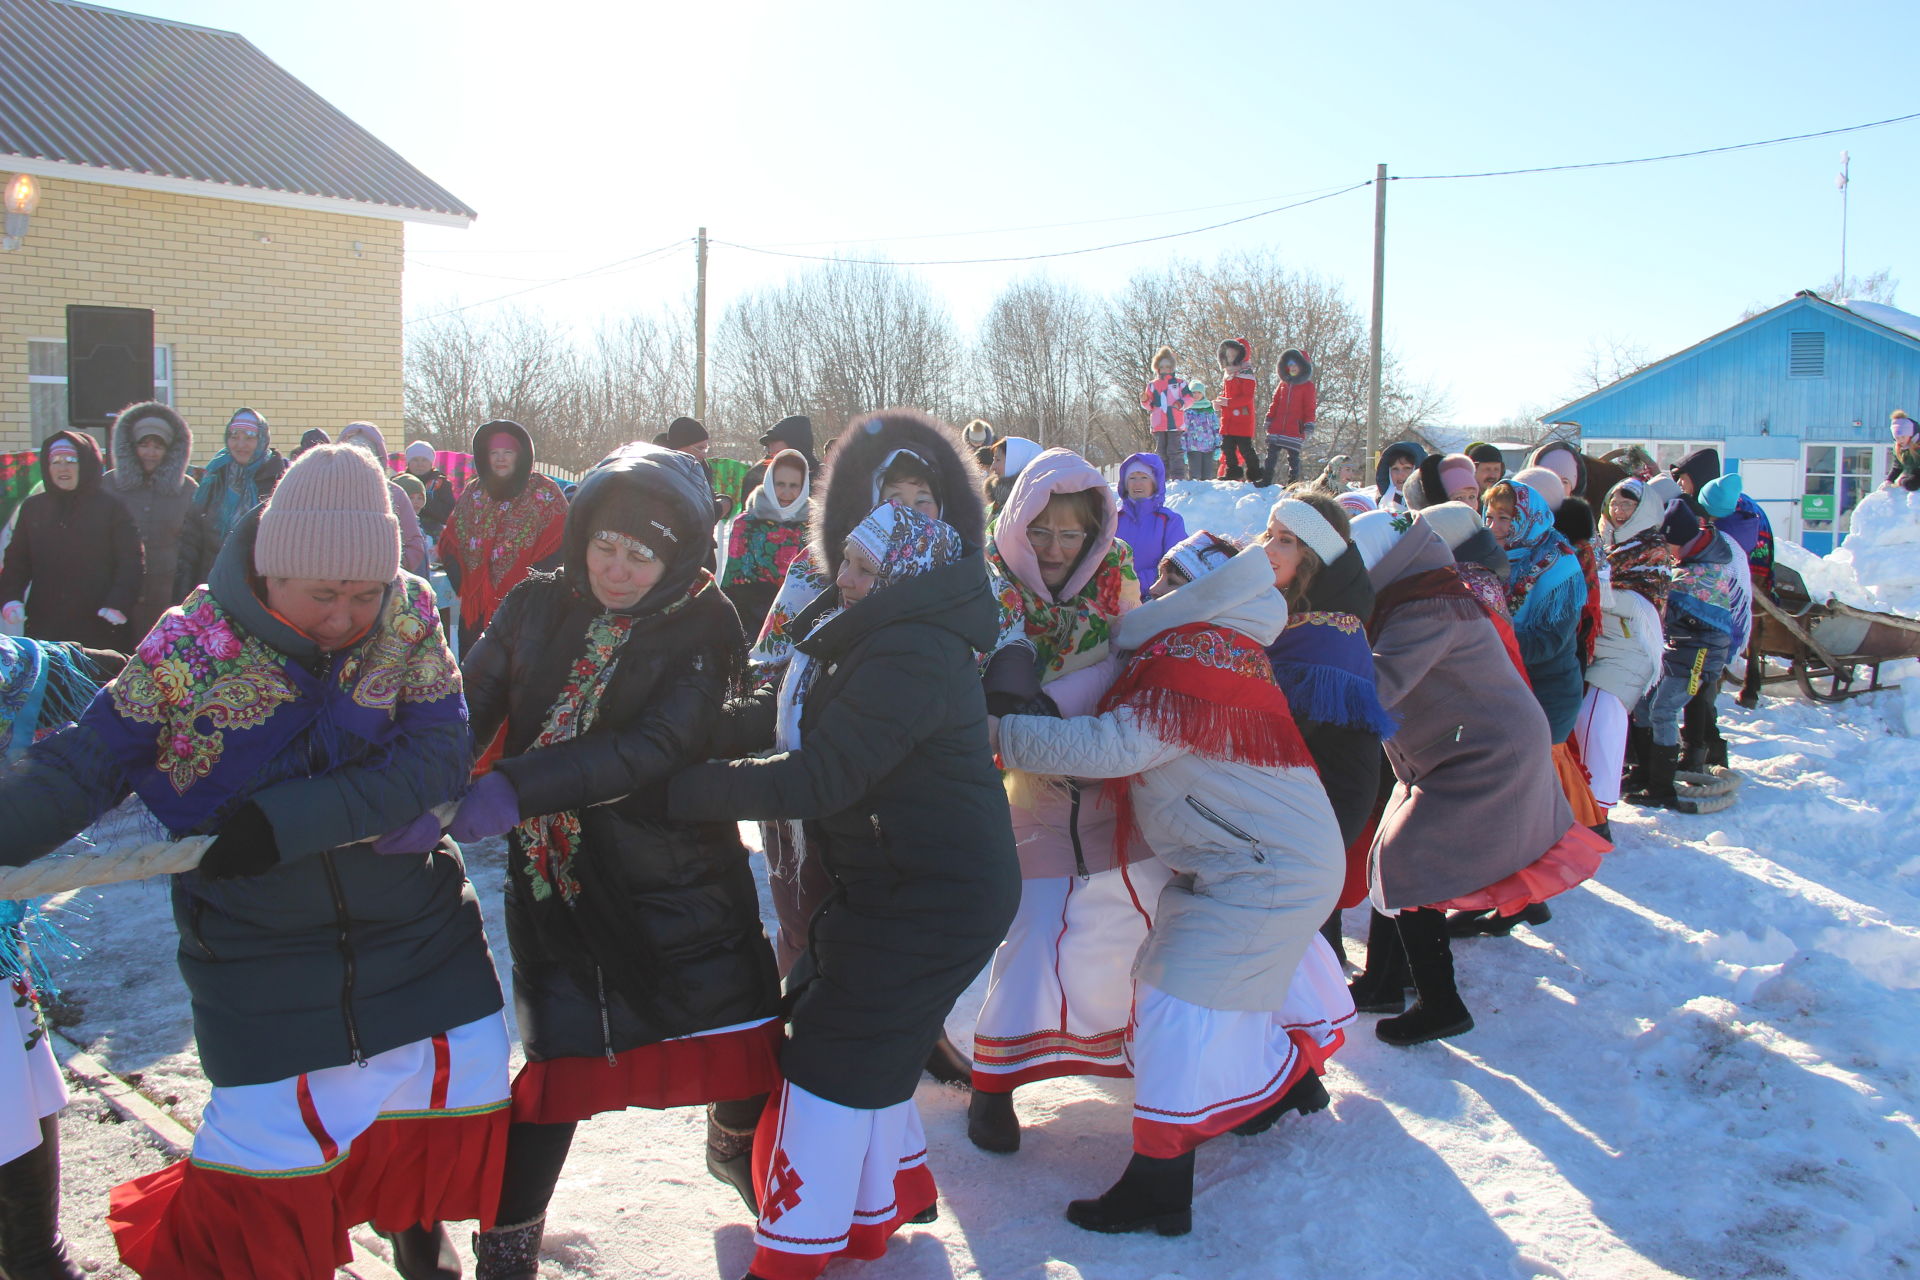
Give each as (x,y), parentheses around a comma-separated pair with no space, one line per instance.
(709,1066)
(1570,862)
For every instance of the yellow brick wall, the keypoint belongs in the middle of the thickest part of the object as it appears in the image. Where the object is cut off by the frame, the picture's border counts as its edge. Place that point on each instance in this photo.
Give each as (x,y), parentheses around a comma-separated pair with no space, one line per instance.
(262,306)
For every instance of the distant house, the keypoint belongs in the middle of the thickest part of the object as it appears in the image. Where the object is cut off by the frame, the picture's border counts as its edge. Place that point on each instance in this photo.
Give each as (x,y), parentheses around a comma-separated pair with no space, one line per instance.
(1796,399)
(180,169)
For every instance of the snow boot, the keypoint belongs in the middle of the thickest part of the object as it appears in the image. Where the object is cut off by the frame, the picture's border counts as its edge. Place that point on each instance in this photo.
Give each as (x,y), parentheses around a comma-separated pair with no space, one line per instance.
(1639,749)
(1152,1195)
(1305,1095)
(1381,987)
(946,1065)
(1486,924)
(30,1244)
(730,1156)
(509,1253)
(992,1123)
(423,1253)
(1439,1011)
(1657,789)
(1331,932)
(1603,829)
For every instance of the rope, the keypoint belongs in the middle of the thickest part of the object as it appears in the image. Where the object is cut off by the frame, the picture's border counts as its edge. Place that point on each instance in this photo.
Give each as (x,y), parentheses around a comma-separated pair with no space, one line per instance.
(65,872)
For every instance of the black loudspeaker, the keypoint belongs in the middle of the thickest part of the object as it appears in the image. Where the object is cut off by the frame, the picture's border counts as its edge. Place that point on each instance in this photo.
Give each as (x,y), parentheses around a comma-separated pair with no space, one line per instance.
(109,362)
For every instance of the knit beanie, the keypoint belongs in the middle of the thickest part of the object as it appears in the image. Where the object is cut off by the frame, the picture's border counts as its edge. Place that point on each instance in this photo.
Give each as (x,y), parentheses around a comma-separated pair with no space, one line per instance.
(1721,496)
(1679,526)
(1702,466)
(1456,472)
(1455,522)
(330,518)
(1545,483)
(1901,425)
(410,484)
(682,432)
(420,449)
(248,418)
(1480,452)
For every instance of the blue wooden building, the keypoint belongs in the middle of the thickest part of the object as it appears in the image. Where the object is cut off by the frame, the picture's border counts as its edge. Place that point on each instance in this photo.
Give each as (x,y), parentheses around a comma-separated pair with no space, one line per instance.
(1796,399)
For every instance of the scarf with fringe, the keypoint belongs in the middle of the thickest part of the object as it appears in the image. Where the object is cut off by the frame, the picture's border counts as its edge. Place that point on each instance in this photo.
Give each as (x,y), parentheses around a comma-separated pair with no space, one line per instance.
(1212,691)
(1640,565)
(1546,590)
(1324,666)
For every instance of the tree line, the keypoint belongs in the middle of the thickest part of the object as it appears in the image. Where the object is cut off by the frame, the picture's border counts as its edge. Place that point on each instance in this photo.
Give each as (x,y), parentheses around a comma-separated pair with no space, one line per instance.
(1049,360)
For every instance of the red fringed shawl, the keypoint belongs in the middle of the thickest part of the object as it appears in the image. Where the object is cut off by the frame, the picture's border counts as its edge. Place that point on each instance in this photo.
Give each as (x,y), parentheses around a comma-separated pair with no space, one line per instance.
(1211,690)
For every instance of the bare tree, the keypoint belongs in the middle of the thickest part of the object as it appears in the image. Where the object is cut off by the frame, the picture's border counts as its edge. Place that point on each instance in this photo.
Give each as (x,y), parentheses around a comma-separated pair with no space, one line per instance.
(1610,360)
(1877,286)
(1038,365)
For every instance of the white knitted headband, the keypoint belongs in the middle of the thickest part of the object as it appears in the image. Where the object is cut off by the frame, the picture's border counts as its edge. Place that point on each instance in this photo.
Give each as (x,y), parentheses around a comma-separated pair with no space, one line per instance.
(1311,528)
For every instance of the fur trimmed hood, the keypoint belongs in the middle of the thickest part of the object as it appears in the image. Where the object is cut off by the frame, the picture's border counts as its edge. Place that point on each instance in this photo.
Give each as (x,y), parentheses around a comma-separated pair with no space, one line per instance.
(849,480)
(1239,594)
(171,475)
(1306,366)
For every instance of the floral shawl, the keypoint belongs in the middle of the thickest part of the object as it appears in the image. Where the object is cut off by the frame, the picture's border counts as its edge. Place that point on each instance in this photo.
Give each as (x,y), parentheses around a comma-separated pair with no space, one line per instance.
(498,543)
(1546,589)
(1068,634)
(801,587)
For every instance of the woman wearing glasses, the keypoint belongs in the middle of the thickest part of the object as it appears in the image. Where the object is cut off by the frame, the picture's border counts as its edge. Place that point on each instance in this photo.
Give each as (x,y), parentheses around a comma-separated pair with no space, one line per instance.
(1060,993)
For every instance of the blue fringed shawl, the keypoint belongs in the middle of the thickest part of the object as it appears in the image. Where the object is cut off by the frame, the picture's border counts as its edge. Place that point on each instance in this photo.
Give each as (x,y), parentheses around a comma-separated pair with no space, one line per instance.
(1324,665)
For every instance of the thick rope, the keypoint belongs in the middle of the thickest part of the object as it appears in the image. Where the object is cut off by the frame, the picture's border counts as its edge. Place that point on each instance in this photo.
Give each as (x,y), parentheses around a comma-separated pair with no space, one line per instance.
(64,872)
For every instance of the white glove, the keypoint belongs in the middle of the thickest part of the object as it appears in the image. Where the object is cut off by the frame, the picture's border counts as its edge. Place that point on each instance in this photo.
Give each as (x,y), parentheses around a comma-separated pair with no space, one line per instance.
(13,613)
(114,616)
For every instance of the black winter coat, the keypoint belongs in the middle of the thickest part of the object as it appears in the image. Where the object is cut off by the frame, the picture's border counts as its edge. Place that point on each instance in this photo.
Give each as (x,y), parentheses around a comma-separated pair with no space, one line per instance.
(665,939)
(79,552)
(903,806)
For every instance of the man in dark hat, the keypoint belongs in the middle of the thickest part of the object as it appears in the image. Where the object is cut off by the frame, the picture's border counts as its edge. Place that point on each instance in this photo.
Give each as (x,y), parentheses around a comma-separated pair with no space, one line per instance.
(1489,465)
(686,435)
(793,432)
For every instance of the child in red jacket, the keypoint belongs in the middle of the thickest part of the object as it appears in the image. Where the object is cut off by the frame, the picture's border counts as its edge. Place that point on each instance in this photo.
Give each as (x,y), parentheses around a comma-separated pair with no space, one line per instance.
(1166,398)
(1235,403)
(1291,414)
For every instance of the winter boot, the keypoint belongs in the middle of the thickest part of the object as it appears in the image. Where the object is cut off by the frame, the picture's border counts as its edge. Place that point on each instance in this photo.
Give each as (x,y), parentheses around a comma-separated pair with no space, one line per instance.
(509,1253)
(1603,829)
(30,1243)
(1657,790)
(730,1157)
(1331,932)
(1305,1095)
(423,1253)
(1486,924)
(946,1064)
(1152,1195)
(1381,987)
(1439,1012)
(1639,749)
(992,1123)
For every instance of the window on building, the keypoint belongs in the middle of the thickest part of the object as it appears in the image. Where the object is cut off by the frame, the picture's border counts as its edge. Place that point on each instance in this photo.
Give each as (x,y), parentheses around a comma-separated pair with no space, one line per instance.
(47,384)
(1849,472)
(1807,354)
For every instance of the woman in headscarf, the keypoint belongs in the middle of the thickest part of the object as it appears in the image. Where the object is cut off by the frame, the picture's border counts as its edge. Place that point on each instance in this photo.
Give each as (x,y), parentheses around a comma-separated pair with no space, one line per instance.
(763,541)
(879,733)
(1237,1000)
(507,522)
(641,975)
(1626,659)
(1476,821)
(1058,1001)
(239,478)
(76,549)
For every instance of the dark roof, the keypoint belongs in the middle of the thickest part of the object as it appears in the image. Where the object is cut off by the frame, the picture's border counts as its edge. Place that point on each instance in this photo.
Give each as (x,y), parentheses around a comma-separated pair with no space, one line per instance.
(100,88)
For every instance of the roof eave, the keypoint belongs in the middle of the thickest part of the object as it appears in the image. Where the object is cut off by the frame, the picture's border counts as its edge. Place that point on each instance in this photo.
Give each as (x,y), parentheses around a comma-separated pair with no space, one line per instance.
(44,168)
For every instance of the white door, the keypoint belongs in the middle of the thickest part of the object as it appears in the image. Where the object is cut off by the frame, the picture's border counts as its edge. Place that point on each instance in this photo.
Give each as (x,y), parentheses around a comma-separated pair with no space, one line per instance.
(1774,483)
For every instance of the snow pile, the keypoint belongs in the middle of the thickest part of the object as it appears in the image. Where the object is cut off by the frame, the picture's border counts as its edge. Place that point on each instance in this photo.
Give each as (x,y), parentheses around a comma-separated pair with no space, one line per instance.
(1230,508)
(1882,554)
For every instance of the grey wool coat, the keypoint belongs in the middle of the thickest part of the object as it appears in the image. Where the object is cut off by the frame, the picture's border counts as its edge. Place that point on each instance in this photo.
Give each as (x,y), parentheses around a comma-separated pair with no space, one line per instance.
(1475,797)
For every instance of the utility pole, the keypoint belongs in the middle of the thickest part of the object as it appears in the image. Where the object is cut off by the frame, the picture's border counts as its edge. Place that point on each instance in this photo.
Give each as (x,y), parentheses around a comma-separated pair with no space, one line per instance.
(700,330)
(1845,185)
(1379,301)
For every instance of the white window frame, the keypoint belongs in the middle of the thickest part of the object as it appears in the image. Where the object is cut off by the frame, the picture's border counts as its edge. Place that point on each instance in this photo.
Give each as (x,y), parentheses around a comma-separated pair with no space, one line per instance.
(1842,523)
(163,376)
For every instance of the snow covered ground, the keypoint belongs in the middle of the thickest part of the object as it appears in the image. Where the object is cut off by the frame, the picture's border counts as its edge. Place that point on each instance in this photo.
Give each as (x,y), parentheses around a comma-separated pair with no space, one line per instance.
(1704,1066)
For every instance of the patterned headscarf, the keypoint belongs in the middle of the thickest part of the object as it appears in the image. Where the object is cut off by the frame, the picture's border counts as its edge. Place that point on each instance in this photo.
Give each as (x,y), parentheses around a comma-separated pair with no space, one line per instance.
(1543,568)
(904,543)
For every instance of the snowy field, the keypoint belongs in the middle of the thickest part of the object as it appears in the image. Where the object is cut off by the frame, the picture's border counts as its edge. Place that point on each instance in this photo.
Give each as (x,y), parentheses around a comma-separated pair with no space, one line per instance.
(1704,1067)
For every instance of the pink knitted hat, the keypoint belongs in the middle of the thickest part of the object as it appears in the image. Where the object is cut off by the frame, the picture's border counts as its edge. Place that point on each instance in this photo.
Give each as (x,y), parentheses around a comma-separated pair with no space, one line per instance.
(329,518)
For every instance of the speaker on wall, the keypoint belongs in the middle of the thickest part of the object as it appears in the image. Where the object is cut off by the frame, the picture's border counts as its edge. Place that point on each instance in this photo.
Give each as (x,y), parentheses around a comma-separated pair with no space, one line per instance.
(109,362)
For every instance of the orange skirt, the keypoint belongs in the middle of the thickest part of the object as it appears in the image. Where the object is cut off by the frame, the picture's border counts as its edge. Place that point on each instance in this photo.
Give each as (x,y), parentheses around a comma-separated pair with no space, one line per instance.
(1575,781)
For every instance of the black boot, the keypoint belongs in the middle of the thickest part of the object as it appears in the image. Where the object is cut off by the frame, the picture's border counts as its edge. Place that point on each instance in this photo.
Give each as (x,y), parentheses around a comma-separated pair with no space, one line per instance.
(1439,1012)
(1485,924)
(1657,791)
(1305,1095)
(947,1065)
(1639,748)
(424,1253)
(1331,932)
(730,1156)
(1381,987)
(509,1253)
(30,1243)
(1152,1195)
(992,1123)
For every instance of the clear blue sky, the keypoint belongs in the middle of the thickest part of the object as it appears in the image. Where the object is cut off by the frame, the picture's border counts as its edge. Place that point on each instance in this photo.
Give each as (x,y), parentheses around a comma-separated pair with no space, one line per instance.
(584,133)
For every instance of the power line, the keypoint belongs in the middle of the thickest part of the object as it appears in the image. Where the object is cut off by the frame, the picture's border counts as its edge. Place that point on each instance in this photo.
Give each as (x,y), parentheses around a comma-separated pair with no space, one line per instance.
(1060,253)
(635,260)
(1675,155)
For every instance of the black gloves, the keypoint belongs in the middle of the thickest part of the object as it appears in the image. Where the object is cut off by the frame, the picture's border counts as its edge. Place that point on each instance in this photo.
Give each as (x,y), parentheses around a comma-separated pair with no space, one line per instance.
(1011,680)
(244,847)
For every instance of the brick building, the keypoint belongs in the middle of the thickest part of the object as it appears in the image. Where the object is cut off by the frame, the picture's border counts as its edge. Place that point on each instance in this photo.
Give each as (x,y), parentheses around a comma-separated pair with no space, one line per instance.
(262,227)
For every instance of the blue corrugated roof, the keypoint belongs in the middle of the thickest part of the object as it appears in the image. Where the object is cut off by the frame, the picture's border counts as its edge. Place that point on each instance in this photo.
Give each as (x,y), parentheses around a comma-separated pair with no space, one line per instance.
(120,91)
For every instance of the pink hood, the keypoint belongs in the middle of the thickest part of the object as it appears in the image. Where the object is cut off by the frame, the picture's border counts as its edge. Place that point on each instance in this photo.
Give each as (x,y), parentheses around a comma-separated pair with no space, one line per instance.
(1055,471)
